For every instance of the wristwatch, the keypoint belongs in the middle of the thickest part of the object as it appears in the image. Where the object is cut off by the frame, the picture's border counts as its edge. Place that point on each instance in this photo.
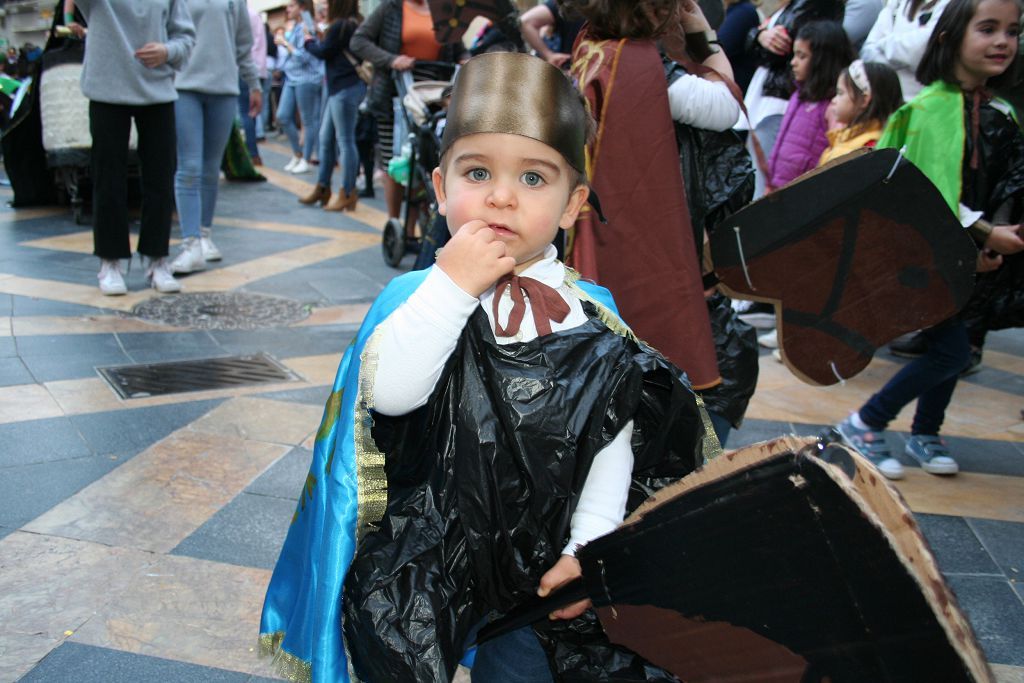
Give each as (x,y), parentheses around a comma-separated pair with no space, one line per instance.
(702,44)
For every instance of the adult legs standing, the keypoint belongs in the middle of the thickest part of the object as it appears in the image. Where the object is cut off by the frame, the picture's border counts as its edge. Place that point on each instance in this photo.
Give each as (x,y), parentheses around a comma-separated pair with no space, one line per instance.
(308,96)
(321,192)
(203,124)
(346,113)
(155,124)
(286,121)
(110,125)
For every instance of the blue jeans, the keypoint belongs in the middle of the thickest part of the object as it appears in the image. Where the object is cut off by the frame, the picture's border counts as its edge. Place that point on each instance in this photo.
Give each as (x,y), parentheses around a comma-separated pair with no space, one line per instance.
(515,657)
(305,97)
(338,134)
(248,122)
(202,123)
(930,379)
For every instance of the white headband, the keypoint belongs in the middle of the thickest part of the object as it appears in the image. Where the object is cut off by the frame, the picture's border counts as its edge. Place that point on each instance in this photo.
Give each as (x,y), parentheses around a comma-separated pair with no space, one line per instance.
(859,76)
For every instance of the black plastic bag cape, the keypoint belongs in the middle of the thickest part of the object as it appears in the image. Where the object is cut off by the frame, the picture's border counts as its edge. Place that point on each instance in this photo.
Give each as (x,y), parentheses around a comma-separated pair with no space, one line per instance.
(483,481)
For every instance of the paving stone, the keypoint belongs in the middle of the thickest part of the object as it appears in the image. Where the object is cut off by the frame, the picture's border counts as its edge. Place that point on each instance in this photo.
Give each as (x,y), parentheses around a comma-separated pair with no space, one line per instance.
(92,664)
(1004,542)
(13,372)
(316,396)
(994,378)
(129,432)
(25,305)
(955,545)
(8,348)
(57,357)
(5,530)
(147,347)
(41,441)
(754,431)
(249,531)
(284,479)
(27,491)
(286,342)
(973,455)
(6,304)
(996,613)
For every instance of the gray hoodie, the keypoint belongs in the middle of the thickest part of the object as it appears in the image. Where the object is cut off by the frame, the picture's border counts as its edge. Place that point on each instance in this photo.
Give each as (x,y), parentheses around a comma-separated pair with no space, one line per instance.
(223,49)
(117,28)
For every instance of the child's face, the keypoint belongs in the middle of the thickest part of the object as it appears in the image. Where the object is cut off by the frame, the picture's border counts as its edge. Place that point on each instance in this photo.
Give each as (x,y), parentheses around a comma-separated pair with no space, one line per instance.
(990,43)
(844,105)
(517,185)
(801,61)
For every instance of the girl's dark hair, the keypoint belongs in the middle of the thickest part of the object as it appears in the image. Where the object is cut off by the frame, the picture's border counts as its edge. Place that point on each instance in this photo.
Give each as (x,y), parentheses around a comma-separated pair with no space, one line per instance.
(634,19)
(886,94)
(831,52)
(305,5)
(940,55)
(338,10)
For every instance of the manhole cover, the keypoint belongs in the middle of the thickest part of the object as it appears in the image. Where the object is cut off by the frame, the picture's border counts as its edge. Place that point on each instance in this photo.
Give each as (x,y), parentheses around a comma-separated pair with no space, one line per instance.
(222,310)
(176,377)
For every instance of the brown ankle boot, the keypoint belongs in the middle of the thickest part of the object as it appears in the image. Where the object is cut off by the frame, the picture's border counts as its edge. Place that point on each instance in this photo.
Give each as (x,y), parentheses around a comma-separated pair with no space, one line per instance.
(351,199)
(337,202)
(320,193)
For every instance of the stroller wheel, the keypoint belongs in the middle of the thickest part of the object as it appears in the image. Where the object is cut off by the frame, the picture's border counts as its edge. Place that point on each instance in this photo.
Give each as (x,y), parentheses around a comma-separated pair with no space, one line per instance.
(393,242)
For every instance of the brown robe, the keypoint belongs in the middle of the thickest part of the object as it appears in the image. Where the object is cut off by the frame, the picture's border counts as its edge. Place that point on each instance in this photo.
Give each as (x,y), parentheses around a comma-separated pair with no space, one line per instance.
(645,253)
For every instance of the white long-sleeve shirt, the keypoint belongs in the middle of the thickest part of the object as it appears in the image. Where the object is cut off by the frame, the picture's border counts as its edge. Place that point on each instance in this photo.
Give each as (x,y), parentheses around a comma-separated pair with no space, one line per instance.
(900,42)
(416,340)
(702,103)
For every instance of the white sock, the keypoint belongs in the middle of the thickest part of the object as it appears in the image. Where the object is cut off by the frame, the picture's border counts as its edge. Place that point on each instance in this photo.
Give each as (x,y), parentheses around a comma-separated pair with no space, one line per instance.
(857,422)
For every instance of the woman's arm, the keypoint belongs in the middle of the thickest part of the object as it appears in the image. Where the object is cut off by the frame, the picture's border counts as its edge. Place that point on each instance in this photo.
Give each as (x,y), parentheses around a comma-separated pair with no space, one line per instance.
(703,103)
(364,41)
(181,34)
(329,46)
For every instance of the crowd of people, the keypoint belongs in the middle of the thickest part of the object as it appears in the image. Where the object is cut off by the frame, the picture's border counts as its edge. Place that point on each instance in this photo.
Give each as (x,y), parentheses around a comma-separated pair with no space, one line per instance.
(818,79)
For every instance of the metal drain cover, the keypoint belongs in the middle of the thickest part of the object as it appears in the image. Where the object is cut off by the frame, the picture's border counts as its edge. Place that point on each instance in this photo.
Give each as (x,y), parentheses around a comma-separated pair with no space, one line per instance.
(222,310)
(177,377)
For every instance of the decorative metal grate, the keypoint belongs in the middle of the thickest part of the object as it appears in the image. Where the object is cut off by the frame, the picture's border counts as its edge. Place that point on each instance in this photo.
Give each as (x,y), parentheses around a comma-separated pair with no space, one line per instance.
(177,377)
(222,310)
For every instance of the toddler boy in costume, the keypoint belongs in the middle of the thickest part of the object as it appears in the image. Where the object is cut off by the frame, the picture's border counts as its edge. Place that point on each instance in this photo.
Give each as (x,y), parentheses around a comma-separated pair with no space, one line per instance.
(493,415)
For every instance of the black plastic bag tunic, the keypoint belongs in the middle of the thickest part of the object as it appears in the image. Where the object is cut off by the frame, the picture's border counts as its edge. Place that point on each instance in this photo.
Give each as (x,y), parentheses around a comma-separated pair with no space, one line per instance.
(483,481)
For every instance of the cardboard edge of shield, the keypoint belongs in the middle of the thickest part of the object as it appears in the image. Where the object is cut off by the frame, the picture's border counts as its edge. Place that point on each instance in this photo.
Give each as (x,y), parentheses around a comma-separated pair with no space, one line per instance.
(880,503)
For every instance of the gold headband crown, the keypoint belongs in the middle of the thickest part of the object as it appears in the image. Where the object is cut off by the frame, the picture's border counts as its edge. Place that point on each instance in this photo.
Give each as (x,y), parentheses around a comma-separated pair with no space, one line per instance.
(510,92)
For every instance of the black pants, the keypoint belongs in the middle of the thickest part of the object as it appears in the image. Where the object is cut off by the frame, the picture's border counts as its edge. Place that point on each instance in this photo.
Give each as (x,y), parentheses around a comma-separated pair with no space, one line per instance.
(110,125)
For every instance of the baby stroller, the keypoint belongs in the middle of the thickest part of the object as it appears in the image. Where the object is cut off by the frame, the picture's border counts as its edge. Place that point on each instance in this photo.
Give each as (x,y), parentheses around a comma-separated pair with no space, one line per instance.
(423,115)
(64,113)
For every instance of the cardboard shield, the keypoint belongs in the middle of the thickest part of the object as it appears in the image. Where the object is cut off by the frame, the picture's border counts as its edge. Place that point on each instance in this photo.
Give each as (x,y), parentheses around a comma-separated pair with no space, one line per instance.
(852,255)
(783,562)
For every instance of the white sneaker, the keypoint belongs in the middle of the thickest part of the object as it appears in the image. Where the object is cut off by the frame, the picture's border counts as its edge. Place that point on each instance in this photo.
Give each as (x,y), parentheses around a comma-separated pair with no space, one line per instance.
(210,250)
(159,276)
(190,258)
(769,340)
(292,163)
(111,280)
(301,167)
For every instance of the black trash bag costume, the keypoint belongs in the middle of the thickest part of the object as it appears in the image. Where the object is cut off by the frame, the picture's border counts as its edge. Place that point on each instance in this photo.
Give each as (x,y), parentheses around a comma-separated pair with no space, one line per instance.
(482,484)
(998,299)
(719,179)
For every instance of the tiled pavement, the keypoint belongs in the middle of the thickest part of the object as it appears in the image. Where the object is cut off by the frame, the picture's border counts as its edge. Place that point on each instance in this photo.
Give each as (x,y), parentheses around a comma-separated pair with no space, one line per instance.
(137,536)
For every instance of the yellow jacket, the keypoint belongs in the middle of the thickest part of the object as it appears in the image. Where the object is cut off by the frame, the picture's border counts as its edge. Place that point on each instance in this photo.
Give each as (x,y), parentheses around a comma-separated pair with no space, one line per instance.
(842,142)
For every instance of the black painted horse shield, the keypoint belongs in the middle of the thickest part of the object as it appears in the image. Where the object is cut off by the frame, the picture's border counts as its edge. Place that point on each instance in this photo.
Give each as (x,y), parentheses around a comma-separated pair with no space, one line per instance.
(852,255)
